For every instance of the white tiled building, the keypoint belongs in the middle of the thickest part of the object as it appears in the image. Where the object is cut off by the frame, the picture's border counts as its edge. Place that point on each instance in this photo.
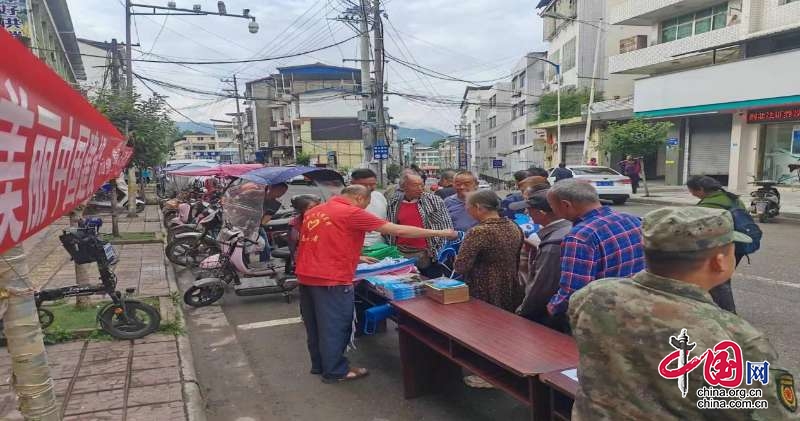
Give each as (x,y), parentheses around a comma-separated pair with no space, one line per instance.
(725,73)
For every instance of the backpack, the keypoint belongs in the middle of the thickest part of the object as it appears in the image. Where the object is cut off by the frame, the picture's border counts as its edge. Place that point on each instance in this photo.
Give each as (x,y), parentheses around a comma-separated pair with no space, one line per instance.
(744,223)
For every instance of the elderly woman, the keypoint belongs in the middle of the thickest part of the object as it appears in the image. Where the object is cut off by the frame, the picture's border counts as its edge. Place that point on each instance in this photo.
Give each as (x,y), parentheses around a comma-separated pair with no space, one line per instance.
(489,255)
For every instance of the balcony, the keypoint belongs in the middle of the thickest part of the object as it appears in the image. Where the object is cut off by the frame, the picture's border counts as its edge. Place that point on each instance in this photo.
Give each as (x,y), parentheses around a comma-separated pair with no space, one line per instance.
(678,55)
(651,12)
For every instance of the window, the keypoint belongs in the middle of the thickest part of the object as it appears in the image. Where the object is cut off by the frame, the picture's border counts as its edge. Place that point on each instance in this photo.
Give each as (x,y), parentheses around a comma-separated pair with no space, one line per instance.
(521,82)
(521,106)
(514,83)
(493,101)
(700,22)
(477,128)
(514,138)
(521,137)
(477,114)
(492,142)
(478,145)
(551,70)
(492,122)
(569,55)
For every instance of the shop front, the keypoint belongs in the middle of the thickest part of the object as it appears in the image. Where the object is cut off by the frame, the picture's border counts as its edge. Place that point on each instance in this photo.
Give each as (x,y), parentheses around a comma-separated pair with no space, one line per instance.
(779,143)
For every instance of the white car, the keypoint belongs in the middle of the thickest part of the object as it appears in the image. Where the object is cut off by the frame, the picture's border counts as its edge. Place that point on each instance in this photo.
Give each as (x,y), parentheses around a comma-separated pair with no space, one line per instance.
(483,185)
(610,184)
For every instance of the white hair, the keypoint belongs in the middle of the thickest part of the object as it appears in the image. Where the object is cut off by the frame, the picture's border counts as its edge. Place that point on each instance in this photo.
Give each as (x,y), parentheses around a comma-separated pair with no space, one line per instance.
(575,191)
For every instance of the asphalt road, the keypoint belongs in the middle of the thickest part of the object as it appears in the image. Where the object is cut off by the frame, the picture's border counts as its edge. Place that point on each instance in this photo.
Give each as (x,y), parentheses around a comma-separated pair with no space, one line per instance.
(252,362)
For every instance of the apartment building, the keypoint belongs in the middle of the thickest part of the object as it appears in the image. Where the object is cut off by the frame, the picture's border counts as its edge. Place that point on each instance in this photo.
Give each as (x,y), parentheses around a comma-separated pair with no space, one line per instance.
(580,40)
(427,158)
(45,26)
(724,72)
(283,107)
(221,146)
(473,113)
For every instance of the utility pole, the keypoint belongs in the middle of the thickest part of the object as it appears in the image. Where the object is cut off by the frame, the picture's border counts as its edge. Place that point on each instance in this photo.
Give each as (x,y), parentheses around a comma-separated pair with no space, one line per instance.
(591,93)
(380,116)
(129,89)
(238,119)
(366,86)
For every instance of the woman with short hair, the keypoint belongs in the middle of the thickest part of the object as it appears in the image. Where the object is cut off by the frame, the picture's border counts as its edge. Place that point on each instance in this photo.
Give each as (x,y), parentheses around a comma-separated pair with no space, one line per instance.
(489,255)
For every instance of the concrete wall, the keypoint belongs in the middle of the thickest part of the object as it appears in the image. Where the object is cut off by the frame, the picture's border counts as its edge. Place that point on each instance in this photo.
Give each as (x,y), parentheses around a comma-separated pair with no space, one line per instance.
(47,41)
(321,104)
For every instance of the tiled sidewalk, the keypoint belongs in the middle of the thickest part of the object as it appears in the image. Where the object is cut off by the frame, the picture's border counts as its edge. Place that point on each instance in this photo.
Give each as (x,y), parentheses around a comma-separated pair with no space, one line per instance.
(119,380)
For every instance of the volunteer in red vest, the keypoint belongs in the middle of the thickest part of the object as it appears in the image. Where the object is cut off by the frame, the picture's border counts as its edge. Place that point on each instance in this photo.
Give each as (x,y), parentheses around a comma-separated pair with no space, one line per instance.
(330,246)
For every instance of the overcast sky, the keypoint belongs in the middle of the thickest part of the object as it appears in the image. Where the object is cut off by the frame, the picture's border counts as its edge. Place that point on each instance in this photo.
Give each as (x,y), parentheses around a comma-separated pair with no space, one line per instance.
(469,39)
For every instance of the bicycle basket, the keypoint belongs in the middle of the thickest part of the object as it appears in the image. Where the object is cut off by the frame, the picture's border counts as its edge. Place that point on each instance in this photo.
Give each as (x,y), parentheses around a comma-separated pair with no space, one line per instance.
(82,245)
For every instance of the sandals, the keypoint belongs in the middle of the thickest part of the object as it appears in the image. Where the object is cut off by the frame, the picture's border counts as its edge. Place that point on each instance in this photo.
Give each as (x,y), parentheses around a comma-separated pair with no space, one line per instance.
(353,374)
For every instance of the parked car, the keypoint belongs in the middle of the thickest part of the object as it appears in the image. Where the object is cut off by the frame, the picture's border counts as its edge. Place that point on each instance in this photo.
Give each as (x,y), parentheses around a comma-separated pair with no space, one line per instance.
(483,185)
(610,184)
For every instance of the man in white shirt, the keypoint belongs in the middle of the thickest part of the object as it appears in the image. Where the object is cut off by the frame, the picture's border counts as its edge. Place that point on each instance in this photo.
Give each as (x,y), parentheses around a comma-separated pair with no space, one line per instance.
(377,205)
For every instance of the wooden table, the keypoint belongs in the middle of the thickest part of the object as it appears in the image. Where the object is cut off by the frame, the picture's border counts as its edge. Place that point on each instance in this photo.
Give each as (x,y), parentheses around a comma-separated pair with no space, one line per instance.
(508,351)
(562,394)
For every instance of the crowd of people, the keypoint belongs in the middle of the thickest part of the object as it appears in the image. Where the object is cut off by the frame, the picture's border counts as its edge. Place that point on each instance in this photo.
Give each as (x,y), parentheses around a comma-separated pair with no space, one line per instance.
(620,284)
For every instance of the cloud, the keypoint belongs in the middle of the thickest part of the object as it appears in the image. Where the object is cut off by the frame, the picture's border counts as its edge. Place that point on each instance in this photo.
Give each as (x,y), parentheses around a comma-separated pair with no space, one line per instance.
(469,39)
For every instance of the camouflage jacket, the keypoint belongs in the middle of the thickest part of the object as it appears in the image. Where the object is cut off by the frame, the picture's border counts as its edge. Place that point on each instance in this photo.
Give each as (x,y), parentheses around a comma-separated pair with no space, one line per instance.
(623,329)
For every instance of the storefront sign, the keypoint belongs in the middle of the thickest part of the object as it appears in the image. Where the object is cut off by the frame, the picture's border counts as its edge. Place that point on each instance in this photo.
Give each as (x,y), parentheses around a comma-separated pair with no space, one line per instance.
(56,150)
(14,17)
(773,115)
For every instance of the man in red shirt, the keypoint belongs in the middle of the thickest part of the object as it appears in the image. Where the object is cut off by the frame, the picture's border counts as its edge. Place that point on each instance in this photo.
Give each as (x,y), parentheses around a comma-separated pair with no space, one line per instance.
(330,246)
(416,207)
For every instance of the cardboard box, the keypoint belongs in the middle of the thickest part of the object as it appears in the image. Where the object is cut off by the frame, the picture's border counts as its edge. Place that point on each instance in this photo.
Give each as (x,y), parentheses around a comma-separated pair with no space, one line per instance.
(447,295)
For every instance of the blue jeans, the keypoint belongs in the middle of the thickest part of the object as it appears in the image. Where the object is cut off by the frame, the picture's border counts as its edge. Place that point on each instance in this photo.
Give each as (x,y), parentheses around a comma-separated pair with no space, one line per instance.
(328,316)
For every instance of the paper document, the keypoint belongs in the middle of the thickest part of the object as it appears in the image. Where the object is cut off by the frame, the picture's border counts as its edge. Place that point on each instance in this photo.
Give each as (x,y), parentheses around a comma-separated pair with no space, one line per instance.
(571,373)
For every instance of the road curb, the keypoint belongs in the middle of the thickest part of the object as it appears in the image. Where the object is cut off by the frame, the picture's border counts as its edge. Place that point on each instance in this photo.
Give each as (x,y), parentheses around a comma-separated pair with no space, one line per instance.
(791,218)
(193,400)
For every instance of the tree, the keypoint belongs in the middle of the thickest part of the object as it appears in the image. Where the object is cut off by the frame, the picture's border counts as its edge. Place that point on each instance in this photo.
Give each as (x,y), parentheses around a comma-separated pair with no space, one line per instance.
(303,159)
(393,172)
(151,130)
(635,137)
(436,143)
(572,101)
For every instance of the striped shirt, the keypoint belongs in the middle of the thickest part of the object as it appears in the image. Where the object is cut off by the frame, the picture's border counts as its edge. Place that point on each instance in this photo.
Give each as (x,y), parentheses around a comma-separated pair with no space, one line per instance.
(602,244)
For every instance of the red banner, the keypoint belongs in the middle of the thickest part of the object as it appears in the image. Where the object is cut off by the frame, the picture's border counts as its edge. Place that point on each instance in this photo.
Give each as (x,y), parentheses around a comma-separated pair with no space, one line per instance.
(56,150)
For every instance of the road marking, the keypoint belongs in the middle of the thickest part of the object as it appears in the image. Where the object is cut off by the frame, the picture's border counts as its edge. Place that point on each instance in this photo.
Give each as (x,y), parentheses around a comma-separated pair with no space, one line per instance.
(270,323)
(770,280)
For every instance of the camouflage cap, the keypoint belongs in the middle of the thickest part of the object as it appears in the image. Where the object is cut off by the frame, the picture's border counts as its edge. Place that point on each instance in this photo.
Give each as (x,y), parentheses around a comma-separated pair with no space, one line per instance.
(689,229)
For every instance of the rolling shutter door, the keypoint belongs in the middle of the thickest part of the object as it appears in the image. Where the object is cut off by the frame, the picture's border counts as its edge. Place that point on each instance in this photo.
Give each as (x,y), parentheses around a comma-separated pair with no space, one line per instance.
(573,153)
(710,147)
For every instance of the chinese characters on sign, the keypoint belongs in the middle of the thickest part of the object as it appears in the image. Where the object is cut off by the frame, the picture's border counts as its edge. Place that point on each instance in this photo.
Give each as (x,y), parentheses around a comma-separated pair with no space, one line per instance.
(380,152)
(14,17)
(55,149)
(773,115)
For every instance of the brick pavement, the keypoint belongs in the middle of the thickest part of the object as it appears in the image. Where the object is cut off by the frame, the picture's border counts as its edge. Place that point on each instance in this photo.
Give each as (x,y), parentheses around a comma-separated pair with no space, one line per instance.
(117,380)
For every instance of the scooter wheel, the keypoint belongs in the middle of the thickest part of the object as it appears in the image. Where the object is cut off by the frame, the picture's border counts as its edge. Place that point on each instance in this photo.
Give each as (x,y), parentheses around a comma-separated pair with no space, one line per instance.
(203,296)
(133,321)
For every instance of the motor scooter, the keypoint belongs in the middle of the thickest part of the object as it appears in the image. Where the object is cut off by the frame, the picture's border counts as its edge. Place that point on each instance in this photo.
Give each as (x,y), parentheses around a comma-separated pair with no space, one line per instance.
(102,198)
(766,202)
(254,258)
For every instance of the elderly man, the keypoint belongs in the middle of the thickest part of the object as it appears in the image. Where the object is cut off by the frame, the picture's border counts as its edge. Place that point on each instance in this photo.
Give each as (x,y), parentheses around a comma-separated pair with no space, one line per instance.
(602,243)
(519,177)
(415,207)
(377,205)
(446,181)
(544,271)
(627,329)
(465,182)
(331,236)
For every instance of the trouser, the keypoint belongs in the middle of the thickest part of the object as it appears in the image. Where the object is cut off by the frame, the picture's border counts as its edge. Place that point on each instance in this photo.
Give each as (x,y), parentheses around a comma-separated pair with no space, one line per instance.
(722,294)
(328,316)
(634,182)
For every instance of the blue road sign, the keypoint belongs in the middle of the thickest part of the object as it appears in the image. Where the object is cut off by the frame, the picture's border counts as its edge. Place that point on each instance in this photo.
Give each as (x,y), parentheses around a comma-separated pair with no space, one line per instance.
(672,141)
(497,163)
(380,152)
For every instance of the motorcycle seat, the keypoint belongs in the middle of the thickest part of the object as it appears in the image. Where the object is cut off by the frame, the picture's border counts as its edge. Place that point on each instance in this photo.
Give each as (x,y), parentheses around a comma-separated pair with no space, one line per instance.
(278,224)
(281,253)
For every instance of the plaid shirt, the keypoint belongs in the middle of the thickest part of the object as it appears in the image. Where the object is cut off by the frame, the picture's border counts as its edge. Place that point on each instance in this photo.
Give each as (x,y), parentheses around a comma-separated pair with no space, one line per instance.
(434,216)
(602,244)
